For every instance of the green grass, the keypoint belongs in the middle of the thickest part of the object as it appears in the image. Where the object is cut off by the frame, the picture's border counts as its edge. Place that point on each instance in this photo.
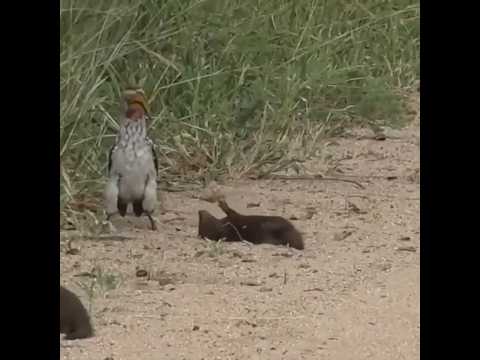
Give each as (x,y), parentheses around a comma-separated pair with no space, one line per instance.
(234,87)
(99,284)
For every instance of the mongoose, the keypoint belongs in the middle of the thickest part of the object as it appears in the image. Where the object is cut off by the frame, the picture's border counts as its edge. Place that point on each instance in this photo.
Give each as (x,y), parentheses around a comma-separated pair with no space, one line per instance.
(74,319)
(257,229)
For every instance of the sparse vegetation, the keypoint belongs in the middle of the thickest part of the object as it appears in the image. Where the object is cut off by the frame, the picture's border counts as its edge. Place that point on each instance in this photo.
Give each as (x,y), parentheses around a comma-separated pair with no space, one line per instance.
(99,283)
(215,248)
(235,87)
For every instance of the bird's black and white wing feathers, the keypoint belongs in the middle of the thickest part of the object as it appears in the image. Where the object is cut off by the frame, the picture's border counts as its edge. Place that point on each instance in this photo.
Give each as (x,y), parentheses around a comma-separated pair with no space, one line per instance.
(110,154)
(154,153)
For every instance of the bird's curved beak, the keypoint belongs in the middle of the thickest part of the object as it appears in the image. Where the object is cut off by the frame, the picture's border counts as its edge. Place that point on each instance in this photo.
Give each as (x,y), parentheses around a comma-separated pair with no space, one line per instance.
(132,97)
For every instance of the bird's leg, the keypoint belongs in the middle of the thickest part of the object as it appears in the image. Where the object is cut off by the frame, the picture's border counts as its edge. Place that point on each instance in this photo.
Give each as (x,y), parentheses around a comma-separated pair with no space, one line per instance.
(108,223)
(153,224)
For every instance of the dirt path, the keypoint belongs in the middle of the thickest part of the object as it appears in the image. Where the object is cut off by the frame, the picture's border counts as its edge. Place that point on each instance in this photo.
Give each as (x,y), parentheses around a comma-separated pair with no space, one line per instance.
(352,294)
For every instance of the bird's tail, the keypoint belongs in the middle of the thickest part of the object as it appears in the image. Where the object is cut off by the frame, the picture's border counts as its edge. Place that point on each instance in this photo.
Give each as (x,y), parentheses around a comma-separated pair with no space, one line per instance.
(138,207)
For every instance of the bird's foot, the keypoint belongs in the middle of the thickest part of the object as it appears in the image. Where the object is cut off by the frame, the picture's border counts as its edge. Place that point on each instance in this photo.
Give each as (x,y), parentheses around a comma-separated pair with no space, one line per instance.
(108,227)
(153,223)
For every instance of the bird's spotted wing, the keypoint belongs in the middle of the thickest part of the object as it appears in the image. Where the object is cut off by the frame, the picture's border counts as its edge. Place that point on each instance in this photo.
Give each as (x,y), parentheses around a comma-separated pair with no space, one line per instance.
(152,145)
(110,153)
(154,153)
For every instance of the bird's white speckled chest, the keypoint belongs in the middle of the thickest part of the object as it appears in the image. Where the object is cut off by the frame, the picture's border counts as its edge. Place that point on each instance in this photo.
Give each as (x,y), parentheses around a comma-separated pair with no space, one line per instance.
(133,152)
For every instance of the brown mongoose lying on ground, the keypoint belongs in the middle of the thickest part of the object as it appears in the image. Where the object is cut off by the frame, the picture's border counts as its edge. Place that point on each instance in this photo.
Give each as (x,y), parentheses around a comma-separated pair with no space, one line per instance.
(257,229)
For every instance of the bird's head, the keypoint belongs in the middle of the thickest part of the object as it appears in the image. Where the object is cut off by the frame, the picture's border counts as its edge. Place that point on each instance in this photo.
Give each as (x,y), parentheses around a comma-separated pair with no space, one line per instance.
(135,103)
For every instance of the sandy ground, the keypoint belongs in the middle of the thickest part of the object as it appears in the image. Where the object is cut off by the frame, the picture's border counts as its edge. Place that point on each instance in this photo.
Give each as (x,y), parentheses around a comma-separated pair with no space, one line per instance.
(353,293)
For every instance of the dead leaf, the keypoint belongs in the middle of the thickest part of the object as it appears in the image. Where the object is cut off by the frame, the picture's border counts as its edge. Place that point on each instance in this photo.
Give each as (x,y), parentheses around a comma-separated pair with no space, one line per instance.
(73,251)
(354,208)
(313,289)
(282,254)
(265,289)
(250,283)
(407,248)
(245,322)
(342,236)
(141,273)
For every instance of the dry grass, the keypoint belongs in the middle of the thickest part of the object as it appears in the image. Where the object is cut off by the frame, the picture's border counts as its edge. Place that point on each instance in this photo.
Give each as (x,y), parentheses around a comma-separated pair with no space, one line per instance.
(235,87)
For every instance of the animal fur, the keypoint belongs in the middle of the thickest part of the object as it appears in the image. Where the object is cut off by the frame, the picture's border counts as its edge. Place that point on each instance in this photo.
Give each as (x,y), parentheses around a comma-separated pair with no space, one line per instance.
(74,319)
(256,229)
